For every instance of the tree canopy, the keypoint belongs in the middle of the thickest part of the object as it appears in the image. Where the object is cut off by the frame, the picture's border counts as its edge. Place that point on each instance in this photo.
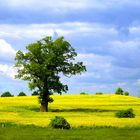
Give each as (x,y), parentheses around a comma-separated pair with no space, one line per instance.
(43,63)
(7,94)
(22,94)
(119,91)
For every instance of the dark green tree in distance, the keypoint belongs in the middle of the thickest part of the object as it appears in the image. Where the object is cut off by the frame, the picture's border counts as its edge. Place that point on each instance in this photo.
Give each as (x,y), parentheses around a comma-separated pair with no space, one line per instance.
(43,63)
(21,94)
(7,94)
(126,93)
(119,91)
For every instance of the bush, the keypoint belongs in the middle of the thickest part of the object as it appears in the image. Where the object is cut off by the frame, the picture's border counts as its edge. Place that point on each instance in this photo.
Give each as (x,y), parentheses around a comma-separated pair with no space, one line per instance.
(21,94)
(99,93)
(126,93)
(83,93)
(119,91)
(125,113)
(60,123)
(7,94)
(35,93)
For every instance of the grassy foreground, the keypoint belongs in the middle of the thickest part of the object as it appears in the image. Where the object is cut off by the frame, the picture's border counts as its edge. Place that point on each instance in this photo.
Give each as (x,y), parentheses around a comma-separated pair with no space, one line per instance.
(79,110)
(37,133)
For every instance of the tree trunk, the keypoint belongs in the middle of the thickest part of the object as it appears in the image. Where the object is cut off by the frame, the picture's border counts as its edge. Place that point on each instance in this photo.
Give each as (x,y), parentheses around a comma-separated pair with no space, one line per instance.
(44,107)
(45,99)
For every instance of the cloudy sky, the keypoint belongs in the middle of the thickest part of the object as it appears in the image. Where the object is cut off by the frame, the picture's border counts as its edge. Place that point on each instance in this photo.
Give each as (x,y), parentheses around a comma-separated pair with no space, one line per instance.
(105,33)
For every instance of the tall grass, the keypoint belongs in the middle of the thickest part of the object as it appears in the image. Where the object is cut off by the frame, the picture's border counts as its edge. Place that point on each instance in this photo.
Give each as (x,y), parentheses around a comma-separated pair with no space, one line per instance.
(97,133)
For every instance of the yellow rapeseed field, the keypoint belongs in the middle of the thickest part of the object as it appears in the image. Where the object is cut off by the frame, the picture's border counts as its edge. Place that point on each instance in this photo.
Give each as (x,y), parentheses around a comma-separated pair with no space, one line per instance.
(79,110)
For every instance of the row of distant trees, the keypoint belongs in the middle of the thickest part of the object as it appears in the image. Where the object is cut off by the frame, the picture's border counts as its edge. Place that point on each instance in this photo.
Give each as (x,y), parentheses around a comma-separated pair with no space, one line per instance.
(119,91)
(8,94)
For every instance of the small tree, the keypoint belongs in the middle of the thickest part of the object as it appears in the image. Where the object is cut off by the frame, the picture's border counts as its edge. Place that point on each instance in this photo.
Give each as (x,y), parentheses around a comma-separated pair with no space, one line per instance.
(99,93)
(6,94)
(119,91)
(42,65)
(21,94)
(83,93)
(126,93)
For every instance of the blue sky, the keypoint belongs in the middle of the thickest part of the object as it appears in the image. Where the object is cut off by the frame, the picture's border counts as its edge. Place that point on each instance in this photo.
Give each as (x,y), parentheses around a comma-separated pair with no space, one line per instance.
(105,33)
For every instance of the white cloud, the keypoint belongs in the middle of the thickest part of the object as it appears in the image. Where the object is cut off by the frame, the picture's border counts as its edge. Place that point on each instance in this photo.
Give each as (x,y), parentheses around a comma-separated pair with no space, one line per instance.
(135,30)
(7,70)
(6,51)
(96,62)
(126,53)
(121,84)
(6,47)
(38,31)
(127,46)
(98,68)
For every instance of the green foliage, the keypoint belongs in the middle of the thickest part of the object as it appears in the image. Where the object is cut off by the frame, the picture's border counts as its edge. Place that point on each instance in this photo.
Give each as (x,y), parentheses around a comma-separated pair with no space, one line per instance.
(21,94)
(35,93)
(83,93)
(125,113)
(99,93)
(126,93)
(48,99)
(59,122)
(43,63)
(119,91)
(7,94)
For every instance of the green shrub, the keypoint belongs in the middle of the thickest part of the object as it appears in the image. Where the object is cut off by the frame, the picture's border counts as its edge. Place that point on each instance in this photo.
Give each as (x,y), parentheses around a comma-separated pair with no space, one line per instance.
(83,93)
(7,94)
(119,91)
(60,123)
(21,94)
(126,93)
(99,93)
(35,93)
(125,113)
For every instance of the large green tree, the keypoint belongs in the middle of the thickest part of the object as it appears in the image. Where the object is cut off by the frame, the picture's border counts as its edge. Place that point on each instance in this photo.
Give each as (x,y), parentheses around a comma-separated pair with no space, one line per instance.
(43,63)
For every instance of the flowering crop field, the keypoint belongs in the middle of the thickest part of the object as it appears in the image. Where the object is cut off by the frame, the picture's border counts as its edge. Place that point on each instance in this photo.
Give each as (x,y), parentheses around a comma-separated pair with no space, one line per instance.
(79,110)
